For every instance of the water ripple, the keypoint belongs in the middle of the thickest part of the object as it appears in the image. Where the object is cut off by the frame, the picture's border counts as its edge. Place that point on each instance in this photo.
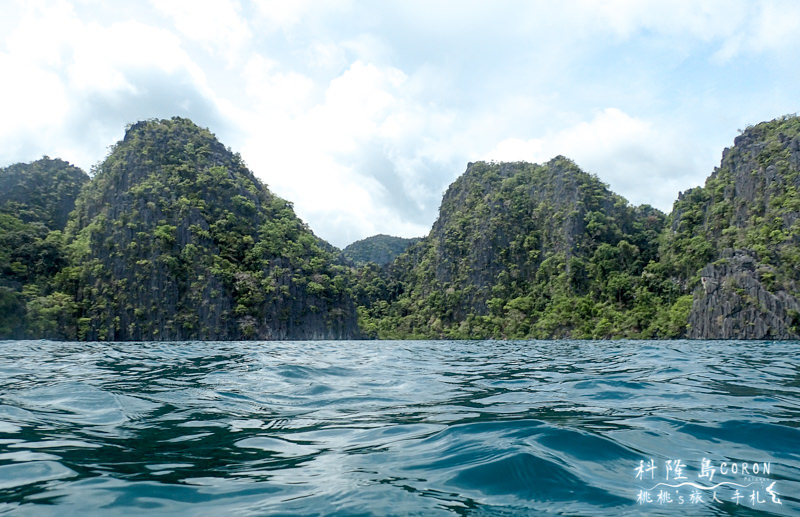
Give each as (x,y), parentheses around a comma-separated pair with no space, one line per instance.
(400,428)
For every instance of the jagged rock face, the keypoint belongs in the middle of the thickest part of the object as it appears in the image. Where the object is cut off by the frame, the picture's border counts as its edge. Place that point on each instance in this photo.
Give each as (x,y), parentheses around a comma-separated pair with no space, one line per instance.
(508,219)
(750,203)
(760,170)
(733,302)
(175,239)
(514,246)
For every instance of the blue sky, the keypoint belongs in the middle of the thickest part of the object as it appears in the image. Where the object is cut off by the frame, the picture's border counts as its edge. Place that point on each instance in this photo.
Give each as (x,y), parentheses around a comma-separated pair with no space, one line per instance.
(362,113)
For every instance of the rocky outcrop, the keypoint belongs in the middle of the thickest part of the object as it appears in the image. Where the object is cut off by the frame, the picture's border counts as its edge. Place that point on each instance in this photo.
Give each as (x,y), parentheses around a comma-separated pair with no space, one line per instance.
(733,302)
(751,204)
(175,239)
(515,249)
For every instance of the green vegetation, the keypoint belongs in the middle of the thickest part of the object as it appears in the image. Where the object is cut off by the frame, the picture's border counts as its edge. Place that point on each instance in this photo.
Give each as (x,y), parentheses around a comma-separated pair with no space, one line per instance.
(378,249)
(524,251)
(748,207)
(750,202)
(35,199)
(174,238)
(547,251)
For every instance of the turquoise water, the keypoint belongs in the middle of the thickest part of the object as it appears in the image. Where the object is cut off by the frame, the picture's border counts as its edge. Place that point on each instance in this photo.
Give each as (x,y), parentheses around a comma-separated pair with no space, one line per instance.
(400,428)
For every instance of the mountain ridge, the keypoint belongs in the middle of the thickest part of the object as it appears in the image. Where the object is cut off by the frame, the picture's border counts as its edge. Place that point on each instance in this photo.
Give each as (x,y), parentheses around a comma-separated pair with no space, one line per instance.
(174,238)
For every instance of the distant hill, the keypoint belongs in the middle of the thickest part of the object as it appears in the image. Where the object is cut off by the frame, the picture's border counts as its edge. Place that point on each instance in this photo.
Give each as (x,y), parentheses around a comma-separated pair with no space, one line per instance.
(42,191)
(547,251)
(35,200)
(378,249)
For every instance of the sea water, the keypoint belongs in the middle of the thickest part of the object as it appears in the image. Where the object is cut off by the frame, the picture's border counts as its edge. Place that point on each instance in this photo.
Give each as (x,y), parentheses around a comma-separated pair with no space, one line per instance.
(400,428)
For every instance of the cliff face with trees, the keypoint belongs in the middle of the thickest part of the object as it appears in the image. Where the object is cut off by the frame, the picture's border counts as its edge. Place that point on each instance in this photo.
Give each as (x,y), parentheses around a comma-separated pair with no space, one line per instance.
(736,240)
(522,251)
(547,251)
(174,238)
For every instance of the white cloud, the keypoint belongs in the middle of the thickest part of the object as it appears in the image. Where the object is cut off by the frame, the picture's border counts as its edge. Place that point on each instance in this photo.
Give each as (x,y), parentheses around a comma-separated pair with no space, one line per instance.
(33,94)
(703,19)
(357,102)
(41,33)
(340,159)
(276,93)
(104,57)
(640,161)
(31,97)
(772,28)
(77,83)
(216,24)
(361,113)
(736,26)
(284,15)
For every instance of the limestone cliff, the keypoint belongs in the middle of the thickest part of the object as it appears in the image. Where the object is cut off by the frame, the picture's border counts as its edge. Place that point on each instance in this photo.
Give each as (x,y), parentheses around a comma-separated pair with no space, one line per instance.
(750,204)
(176,239)
(734,302)
(521,250)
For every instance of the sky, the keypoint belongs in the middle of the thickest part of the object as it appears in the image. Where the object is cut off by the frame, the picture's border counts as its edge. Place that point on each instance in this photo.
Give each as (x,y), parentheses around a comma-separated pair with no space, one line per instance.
(361,113)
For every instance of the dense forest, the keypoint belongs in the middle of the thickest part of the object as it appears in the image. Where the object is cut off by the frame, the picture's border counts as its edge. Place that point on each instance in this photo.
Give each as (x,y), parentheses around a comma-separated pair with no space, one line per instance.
(35,201)
(172,237)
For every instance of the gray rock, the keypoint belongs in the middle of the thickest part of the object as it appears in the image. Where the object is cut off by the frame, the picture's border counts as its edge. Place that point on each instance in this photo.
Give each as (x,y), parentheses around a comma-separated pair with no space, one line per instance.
(733,303)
